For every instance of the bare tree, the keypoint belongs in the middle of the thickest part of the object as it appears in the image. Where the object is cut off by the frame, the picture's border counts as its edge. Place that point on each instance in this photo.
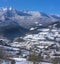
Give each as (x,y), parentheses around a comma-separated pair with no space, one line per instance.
(35,58)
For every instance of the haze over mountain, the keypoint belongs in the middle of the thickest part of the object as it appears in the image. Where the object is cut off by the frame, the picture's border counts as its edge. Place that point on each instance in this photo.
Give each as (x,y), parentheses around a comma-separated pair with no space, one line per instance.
(14,23)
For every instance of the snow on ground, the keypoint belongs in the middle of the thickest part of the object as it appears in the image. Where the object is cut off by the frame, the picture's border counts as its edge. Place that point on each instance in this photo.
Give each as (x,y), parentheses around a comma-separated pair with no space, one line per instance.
(19,59)
(22,61)
(31,63)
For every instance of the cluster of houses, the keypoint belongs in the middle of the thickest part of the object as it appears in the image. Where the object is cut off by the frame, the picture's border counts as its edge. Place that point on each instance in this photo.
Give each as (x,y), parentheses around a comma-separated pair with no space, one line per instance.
(46,44)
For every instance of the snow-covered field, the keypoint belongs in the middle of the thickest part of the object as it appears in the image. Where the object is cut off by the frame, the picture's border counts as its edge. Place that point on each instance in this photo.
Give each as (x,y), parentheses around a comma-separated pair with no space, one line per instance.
(21,61)
(31,63)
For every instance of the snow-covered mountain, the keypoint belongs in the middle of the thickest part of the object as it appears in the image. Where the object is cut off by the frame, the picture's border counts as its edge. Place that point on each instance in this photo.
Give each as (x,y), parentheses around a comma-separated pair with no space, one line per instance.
(24,18)
(13,22)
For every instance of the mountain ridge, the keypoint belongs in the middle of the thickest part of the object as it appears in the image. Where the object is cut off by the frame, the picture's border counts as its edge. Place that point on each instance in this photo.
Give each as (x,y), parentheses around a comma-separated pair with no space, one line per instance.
(26,21)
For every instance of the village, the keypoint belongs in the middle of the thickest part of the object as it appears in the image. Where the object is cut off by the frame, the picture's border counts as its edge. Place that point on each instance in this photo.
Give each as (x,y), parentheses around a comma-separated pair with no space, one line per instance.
(45,44)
